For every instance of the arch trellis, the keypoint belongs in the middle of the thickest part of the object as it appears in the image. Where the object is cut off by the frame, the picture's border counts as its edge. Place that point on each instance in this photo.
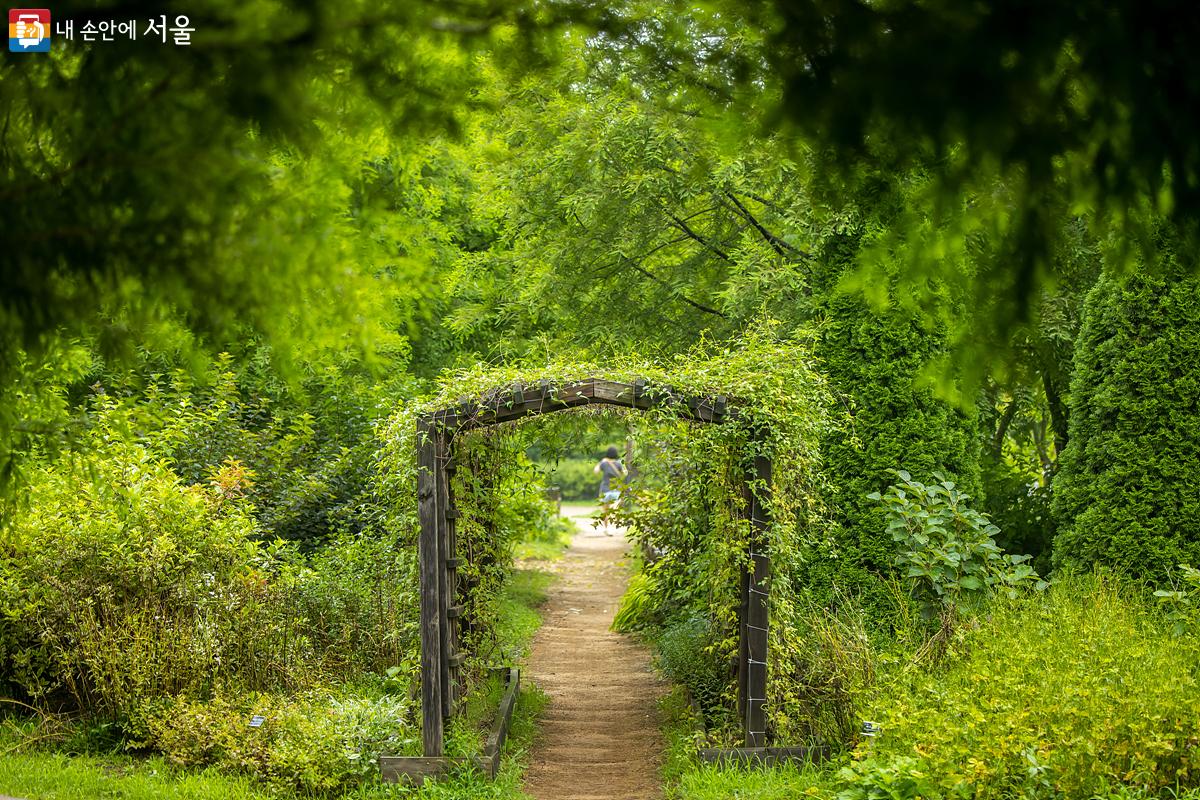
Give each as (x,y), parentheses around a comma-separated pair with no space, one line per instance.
(441,609)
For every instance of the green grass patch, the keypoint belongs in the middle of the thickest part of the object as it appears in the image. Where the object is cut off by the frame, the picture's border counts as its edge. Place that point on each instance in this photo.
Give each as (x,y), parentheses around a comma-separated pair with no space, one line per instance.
(685,778)
(53,776)
(519,620)
(537,550)
(548,544)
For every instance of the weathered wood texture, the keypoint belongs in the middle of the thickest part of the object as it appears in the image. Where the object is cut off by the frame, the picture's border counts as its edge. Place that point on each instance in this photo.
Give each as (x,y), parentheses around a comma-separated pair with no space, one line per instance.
(445,587)
(432,655)
(416,769)
(757,622)
(494,746)
(520,401)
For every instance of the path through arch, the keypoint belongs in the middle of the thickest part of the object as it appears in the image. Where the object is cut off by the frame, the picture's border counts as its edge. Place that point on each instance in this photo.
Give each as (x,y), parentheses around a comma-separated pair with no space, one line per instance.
(600,735)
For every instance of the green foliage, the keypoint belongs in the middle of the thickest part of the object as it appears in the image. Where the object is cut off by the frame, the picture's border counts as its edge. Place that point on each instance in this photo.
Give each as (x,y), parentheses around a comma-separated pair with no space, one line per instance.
(1183,602)
(642,606)
(122,585)
(1094,123)
(628,223)
(302,458)
(117,588)
(1127,494)
(900,778)
(1058,694)
(575,478)
(947,550)
(687,654)
(518,617)
(314,744)
(1020,507)
(890,420)
(247,162)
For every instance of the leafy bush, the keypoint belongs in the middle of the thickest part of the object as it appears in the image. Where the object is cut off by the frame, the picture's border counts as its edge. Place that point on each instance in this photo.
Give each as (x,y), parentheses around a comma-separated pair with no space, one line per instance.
(687,655)
(315,744)
(122,585)
(307,454)
(1127,492)
(1022,509)
(898,778)
(640,607)
(1057,694)
(890,420)
(575,478)
(128,585)
(1183,602)
(947,549)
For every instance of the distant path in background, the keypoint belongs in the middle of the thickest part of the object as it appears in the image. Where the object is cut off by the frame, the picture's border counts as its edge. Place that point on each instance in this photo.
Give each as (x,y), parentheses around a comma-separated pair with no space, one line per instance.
(599,737)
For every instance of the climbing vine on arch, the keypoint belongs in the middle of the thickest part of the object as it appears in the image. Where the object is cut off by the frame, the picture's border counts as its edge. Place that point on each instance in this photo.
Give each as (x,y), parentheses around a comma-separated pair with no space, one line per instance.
(782,411)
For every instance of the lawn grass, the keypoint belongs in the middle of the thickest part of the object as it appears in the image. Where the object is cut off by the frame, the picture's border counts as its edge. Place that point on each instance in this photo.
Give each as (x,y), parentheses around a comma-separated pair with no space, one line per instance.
(52,776)
(685,778)
(538,550)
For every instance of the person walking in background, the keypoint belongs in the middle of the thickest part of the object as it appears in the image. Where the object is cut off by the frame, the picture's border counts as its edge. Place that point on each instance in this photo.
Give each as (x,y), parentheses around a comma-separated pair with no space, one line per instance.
(609,467)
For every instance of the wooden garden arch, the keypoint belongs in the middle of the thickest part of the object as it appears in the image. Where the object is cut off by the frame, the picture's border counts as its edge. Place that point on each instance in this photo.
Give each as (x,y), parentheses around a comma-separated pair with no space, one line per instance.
(441,613)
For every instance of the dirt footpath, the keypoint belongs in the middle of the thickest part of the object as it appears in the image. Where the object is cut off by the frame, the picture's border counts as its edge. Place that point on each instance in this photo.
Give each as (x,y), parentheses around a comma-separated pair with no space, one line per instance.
(599,737)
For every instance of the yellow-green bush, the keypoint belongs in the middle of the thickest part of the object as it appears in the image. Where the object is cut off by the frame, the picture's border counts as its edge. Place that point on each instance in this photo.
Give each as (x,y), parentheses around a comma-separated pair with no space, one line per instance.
(1059,694)
(120,584)
(312,743)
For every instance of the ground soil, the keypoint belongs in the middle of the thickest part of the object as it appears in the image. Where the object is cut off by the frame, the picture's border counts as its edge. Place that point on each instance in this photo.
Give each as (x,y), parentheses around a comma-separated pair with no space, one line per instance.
(599,737)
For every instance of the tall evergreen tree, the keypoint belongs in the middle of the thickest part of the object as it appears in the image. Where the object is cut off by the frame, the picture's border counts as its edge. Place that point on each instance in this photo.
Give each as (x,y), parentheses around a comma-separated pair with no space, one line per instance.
(1128,490)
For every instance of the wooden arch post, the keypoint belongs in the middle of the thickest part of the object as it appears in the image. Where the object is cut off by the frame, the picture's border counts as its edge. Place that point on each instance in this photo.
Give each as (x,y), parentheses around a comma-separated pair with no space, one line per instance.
(438,561)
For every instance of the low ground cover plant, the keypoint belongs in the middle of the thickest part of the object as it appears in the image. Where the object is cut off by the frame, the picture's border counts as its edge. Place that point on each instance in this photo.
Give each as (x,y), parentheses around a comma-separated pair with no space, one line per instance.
(1004,686)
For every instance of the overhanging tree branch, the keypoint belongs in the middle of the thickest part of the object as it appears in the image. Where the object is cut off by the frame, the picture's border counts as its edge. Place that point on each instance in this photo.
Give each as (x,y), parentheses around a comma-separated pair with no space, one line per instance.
(691,234)
(674,291)
(777,244)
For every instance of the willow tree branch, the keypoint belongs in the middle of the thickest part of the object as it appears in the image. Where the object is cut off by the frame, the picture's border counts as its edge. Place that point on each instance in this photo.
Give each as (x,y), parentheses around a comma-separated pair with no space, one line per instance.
(777,244)
(674,291)
(691,234)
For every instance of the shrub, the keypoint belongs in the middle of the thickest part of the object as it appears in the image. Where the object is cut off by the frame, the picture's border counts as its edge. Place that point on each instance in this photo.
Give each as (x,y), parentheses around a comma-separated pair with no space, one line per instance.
(315,744)
(1061,694)
(308,453)
(639,609)
(1128,490)
(687,654)
(122,585)
(898,778)
(127,585)
(947,550)
(1183,601)
(874,362)
(575,478)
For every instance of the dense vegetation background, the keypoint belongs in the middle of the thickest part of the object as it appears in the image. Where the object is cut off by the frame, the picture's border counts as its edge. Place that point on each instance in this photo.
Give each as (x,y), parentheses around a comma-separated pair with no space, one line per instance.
(914,237)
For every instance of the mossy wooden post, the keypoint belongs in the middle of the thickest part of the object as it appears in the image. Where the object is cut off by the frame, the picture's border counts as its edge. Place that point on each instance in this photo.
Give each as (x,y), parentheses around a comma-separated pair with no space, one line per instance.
(447,569)
(428,470)
(757,623)
(743,661)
